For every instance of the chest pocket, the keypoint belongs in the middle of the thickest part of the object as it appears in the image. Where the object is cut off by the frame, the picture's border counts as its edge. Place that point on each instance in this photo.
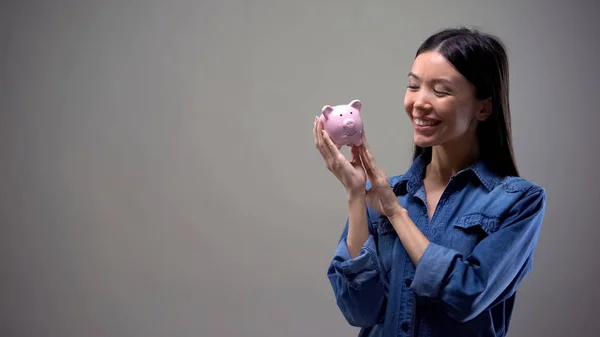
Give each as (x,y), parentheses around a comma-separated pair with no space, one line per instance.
(470,229)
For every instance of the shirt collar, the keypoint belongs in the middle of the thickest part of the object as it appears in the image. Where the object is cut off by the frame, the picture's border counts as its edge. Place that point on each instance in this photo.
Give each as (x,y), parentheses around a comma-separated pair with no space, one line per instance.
(412,180)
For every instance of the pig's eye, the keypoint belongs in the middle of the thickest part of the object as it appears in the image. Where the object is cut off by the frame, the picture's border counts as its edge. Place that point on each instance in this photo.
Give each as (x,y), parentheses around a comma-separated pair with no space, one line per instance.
(340,115)
(351,112)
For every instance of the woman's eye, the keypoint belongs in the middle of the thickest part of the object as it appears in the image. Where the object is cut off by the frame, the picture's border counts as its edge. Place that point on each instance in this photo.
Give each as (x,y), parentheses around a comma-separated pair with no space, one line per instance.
(412,87)
(440,93)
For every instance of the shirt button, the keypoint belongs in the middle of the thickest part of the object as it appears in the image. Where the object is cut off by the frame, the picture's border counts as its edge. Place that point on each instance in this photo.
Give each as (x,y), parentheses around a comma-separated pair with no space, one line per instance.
(404,326)
(408,282)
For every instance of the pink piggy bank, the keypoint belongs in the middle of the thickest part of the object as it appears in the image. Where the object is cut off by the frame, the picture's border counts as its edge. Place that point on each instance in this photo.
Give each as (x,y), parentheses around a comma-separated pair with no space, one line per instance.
(343,123)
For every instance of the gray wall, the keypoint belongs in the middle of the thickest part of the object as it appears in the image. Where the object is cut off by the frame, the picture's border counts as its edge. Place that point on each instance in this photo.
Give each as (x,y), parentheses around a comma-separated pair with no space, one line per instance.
(158,174)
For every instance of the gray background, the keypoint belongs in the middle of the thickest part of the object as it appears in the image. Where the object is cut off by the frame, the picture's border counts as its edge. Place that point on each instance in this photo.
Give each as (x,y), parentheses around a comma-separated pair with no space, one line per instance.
(159,178)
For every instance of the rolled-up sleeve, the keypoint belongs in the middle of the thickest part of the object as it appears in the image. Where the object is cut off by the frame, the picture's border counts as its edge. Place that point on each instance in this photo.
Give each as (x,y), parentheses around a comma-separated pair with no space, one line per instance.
(356,283)
(468,285)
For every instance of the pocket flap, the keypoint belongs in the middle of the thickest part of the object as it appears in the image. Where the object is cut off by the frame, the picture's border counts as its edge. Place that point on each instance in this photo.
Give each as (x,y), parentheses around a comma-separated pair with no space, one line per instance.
(384,226)
(488,224)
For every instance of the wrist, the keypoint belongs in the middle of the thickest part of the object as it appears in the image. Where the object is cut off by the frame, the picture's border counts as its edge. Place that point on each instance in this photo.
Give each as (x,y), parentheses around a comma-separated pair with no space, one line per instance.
(399,214)
(357,196)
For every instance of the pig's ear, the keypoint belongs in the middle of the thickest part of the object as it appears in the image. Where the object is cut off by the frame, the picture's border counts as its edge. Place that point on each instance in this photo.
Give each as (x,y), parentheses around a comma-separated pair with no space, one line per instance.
(356,104)
(327,110)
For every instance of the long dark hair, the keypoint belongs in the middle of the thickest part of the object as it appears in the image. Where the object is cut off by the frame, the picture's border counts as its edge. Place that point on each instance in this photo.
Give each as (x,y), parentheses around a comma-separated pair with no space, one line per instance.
(481,58)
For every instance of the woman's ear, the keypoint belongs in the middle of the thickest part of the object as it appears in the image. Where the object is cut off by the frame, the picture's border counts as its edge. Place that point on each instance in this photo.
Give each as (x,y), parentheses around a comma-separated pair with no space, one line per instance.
(485,109)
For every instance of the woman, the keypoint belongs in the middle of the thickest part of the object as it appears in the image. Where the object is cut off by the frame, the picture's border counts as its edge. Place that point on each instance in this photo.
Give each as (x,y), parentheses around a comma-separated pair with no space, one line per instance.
(441,249)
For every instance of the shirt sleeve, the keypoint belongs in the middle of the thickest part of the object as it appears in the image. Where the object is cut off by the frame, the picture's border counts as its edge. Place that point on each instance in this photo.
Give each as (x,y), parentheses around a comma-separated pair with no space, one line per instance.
(356,282)
(468,285)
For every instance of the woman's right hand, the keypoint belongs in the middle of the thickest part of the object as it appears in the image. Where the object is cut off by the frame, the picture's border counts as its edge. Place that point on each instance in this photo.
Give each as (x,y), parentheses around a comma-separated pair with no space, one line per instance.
(350,173)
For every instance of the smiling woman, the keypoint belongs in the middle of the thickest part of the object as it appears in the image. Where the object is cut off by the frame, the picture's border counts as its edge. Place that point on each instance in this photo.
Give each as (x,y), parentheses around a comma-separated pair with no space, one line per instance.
(466,74)
(441,249)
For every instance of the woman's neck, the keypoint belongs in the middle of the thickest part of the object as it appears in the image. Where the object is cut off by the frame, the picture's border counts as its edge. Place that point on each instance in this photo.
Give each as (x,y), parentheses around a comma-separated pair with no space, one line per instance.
(447,160)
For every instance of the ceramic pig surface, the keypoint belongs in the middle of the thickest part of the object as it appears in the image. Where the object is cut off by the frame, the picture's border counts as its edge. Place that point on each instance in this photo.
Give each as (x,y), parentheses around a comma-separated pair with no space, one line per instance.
(343,123)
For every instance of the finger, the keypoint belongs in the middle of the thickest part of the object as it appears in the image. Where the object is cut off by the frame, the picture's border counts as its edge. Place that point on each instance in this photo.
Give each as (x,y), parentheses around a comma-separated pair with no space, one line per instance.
(365,163)
(366,153)
(323,145)
(370,161)
(355,155)
(366,159)
(332,148)
(319,141)
(338,159)
(356,161)
(318,128)
(318,138)
(322,142)
(373,172)
(363,141)
(315,131)
(328,156)
(318,134)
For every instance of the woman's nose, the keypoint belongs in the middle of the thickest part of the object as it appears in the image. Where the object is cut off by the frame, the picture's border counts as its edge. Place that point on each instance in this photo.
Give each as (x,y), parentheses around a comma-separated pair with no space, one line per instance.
(422,101)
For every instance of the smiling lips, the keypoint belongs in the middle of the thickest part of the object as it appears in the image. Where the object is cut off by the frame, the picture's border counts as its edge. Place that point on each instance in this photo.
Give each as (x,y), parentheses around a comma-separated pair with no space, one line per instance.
(426,122)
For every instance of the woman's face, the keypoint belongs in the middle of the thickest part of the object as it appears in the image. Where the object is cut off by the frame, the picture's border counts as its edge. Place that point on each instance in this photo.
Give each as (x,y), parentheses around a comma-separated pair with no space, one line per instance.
(441,103)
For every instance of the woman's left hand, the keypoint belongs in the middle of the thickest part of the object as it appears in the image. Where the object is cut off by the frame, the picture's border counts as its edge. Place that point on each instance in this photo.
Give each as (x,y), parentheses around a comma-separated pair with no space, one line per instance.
(380,196)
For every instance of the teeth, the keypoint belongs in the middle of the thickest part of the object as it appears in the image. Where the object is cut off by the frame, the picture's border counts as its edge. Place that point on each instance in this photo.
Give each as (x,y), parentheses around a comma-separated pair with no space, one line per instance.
(422,122)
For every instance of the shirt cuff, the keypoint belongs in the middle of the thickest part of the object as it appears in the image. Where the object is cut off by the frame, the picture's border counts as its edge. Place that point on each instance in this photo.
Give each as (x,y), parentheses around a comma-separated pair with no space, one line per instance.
(359,269)
(432,269)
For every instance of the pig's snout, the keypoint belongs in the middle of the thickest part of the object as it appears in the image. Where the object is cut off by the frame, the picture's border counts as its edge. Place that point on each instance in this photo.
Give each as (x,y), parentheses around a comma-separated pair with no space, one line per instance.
(349,126)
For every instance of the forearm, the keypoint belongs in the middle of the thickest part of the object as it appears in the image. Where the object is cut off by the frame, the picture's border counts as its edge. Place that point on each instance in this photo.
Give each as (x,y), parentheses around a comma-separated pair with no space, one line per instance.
(358,227)
(411,237)
(354,272)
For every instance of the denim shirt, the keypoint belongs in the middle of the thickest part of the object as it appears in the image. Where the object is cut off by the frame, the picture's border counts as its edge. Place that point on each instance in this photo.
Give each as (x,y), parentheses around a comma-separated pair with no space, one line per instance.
(482,239)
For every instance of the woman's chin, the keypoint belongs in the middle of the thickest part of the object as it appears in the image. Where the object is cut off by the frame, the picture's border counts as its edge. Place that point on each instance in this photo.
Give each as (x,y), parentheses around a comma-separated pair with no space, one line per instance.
(421,141)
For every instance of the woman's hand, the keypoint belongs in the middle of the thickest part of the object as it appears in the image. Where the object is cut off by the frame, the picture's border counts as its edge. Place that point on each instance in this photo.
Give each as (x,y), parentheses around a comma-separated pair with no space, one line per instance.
(380,196)
(350,173)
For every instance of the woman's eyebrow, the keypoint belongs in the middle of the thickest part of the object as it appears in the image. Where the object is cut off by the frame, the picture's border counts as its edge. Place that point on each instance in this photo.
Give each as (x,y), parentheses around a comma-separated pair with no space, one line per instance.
(411,74)
(443,80)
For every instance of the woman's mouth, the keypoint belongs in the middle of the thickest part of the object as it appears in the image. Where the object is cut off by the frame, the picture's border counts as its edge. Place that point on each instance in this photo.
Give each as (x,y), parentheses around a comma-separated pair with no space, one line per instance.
(426,127)
(426,122)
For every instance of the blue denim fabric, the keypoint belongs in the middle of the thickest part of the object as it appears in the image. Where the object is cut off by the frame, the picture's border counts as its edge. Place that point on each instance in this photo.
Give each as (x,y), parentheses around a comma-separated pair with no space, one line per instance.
(482,239)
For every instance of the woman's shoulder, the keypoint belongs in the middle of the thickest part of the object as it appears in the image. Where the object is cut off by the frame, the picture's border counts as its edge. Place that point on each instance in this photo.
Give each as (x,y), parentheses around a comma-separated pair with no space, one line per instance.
(511,196)
(512,184)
